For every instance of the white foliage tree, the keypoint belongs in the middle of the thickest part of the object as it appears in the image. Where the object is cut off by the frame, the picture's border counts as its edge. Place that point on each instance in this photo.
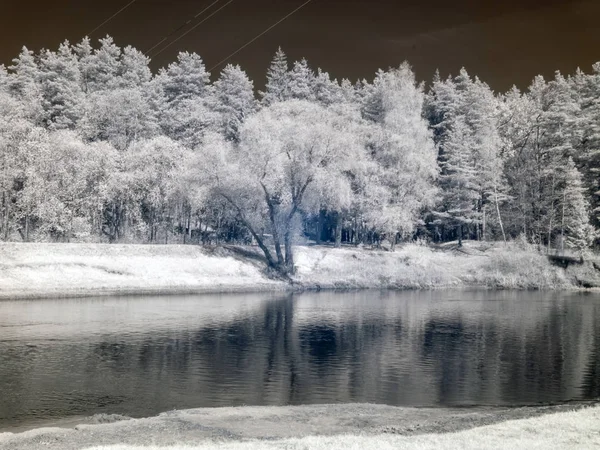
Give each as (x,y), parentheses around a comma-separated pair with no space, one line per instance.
(404,153)
(286,150)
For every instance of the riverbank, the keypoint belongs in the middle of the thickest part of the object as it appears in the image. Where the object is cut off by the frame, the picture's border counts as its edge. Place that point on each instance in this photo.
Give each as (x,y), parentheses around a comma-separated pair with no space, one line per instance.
(355,426)
(50,270)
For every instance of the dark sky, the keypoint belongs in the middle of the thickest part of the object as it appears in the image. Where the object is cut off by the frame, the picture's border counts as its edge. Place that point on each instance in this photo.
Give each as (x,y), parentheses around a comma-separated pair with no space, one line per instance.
(504,42)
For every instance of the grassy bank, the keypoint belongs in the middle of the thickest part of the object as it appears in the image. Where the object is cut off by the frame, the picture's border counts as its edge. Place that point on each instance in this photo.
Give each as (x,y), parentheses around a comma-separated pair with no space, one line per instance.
(35,270)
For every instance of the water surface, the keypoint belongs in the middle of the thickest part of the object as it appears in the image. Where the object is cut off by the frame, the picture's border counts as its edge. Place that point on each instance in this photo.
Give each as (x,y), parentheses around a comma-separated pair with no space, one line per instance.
(139,356)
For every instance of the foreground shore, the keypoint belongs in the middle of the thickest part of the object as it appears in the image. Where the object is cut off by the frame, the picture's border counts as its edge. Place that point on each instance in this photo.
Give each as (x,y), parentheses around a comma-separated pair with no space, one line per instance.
(50,270)
(329,426)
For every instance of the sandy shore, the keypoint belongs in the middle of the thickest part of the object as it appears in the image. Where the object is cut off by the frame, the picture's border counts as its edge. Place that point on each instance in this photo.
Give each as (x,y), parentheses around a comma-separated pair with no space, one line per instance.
(288,426)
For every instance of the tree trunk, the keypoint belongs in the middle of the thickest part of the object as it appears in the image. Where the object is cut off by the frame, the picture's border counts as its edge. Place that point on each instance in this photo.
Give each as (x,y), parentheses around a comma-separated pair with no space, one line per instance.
(498,212)
(460,234)
(189,228)
(272,217)
(338,230)
(562,224)
(319,226)
(550,221)
(483,224)
(27,228)
(269,257)
(289,252)
(6,215)
(199,228)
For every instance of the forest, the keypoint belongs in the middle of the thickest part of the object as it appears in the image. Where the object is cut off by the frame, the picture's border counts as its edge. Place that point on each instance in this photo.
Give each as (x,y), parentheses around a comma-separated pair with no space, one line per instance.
(95,147)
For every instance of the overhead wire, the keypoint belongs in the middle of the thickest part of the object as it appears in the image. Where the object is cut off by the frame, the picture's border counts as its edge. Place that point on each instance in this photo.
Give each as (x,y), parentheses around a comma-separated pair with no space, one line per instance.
(111,18)
(182,26)
(192,29)
(260,35)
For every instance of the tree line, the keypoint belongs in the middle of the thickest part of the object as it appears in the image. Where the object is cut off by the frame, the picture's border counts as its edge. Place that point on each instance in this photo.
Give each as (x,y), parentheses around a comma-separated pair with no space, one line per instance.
(94,147)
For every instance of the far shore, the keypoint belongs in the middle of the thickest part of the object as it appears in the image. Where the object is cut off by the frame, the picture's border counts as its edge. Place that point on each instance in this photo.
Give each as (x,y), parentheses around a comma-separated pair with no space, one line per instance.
(43,270)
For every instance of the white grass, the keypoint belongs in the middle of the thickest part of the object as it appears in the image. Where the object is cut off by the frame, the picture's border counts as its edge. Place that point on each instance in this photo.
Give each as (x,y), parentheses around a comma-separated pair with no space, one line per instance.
(571,430)
(37,270)
(419,267)
(48,269)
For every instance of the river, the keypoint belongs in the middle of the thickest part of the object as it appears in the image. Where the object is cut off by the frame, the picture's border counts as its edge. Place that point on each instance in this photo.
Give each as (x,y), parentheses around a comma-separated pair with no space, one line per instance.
(139,356)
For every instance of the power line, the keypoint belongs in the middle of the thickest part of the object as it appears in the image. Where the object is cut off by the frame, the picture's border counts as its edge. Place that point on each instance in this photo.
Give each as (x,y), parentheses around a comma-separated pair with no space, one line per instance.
(260,35)
(111,17)
(192,29)
(181,26)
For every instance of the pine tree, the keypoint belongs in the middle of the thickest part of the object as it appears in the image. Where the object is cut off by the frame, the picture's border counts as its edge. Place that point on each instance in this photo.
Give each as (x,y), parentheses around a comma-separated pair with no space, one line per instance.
(186,79)
(102,68)
(234,100)
(458,180)
(586,88)
(326,90)
(348,91)
(575,229)
(441,106)
(4,80)
(469,107)
(371,98)
(62,95)
(181,96)
(276,89)
(134,70)
(482,115)
(84,52)
(24,85)
(301,82)
(452,136)
(540,133)
(25,73)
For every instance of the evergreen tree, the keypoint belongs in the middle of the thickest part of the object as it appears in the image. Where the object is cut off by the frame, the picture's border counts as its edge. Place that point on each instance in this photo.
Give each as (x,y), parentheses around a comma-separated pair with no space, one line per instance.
(186,79)
(62,95)
(103,67)
(539,135)
(301,82)
(4,80)
(84,52)
(575,229)
(24,85)
(348,91)
(482,115)
(134,70)
(371,98)
(586,89)
(234,100)
(181,95)
(276,89)
(468,107)
(458,180)
(326,90)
